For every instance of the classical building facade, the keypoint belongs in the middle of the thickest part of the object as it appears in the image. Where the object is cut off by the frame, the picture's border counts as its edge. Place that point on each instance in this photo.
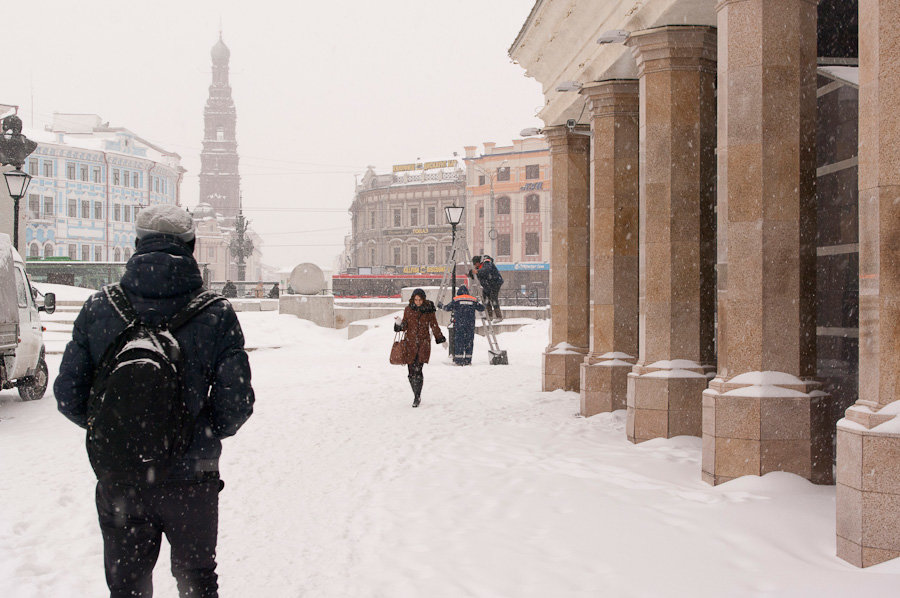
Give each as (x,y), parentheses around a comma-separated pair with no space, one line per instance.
(398,221)
(90,180)
(508,192)
(722,262)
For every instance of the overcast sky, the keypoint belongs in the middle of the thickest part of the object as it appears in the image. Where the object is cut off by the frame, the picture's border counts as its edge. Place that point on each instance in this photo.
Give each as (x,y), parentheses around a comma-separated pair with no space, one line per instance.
(322,89)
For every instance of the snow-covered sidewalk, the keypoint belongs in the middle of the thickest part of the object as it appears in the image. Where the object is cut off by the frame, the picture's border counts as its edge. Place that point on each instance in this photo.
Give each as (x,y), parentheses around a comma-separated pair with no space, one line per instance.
(337,488)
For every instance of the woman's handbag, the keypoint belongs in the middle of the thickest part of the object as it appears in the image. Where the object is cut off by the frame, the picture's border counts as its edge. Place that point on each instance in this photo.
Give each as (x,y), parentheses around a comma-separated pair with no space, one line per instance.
(397,350)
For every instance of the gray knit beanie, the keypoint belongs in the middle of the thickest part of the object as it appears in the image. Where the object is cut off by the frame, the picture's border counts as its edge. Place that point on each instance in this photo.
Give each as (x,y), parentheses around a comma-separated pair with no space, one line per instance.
(165,219)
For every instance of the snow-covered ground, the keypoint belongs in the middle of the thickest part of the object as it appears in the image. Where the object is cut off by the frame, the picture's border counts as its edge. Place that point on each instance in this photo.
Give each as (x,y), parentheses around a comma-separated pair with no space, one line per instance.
(337,488)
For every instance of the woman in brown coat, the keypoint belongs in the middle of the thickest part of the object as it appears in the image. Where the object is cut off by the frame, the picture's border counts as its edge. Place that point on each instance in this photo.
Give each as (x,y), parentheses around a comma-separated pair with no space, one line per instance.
(418,320)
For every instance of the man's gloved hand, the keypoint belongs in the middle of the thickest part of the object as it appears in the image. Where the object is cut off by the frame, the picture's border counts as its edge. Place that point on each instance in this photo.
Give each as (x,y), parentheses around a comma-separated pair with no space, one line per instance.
(440,305)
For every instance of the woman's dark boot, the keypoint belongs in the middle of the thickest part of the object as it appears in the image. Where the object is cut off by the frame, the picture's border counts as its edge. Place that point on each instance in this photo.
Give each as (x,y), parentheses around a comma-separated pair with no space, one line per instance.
(416,383)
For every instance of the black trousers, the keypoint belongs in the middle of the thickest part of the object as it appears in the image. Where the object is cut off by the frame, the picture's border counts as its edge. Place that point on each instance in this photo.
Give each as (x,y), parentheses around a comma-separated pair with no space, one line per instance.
(133,519)
(492,302)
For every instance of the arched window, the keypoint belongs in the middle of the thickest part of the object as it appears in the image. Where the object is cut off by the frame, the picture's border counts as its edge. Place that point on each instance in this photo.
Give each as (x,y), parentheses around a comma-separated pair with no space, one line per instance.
(220,134)
(34,250)
(127,253)
(117,255)
(48,250)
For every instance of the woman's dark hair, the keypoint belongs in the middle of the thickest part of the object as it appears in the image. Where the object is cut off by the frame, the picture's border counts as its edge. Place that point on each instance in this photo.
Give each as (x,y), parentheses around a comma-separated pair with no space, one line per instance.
(418,292)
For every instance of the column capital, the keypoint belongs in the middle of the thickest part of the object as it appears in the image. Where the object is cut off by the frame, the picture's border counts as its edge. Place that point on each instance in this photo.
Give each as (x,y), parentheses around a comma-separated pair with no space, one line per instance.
(612,97)
(563,140)
(674,48)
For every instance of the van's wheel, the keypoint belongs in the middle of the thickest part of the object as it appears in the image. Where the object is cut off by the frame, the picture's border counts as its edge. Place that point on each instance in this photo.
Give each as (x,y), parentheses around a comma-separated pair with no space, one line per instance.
(34,387)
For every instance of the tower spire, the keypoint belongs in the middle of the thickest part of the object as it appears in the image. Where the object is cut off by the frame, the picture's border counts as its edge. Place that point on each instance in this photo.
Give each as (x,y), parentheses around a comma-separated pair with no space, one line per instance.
(219,178)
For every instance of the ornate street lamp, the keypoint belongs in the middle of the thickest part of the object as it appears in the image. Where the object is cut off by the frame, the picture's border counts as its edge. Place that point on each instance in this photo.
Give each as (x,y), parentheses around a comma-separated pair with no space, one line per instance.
(454,215)
(241,245)
(14,149)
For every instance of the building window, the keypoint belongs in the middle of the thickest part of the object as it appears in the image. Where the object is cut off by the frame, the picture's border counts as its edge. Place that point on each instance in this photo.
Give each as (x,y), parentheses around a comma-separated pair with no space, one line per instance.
(481,211)
(503,205)
(117,213)
(371,257)
(396,217)
(96,173)
(414,216)
(127,253)
(98,253)
(447,253)
(48,207)
(413,255)
(126,178)
(396,256)
(503,173)
(70,171)
(98,211)
(136,210)
(117,255)
(211,253)
(73,251)
(33,167)
(48,169)
(533,171)
(431,255)
(136,179)
(220,134)
(432,215)
(85,209)
(532,244)
(126,214)
(85,253)
(503,244)
(48,250)
(372,219)
(34,206)
(480,180)
(116,176)
(34,250)
(84,173)
(156,184)
(72,209)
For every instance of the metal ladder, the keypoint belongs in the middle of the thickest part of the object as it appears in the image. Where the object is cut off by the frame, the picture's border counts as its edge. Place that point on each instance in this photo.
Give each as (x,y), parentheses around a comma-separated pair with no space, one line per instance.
(460,249)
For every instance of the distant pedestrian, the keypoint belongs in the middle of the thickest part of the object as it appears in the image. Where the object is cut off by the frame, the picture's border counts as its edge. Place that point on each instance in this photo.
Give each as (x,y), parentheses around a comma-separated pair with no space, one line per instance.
(157,373)
(229,290)
(418,321)
(274,292)
(490,280)
(463,307)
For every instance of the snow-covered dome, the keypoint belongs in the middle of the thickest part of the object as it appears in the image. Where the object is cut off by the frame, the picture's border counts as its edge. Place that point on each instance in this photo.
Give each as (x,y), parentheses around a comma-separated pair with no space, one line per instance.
(220,52)
(204,210)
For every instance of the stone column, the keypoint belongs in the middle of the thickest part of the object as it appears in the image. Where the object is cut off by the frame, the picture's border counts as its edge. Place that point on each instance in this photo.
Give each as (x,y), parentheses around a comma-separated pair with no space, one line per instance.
(763,411)
(569,251)
(677,70)
(868,439)
(615,153)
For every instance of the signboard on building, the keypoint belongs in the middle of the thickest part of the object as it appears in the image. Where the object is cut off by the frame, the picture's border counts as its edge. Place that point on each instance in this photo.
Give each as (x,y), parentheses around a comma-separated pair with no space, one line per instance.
(539,186)
(531,266)
(425,166)
(423,269)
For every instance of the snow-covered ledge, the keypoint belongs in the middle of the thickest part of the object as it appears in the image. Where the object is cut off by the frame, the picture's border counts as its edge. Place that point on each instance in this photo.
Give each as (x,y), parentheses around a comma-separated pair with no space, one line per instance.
(764,421)
(868,485)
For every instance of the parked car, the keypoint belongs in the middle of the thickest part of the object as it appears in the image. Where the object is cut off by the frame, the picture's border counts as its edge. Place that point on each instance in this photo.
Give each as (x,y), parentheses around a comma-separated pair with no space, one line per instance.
(22,363)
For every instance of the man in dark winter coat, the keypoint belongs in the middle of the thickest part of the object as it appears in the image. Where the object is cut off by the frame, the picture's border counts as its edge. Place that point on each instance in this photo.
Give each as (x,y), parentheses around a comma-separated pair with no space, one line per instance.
(160,279)
(229,289)
(463,307)
(490,280)
(274,292)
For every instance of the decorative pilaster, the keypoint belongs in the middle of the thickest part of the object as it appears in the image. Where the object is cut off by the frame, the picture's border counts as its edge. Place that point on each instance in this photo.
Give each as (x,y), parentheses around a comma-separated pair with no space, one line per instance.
(677,70)
(763,412)
(569,253)
(868,439)
(615,154)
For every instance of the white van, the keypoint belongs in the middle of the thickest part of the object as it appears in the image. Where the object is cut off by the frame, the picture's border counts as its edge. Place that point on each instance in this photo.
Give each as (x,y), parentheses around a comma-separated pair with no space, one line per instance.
(22,362)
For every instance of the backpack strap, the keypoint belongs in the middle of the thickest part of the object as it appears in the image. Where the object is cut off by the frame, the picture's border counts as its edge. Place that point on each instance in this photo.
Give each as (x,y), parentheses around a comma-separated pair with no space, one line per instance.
(194,307)
(120,302)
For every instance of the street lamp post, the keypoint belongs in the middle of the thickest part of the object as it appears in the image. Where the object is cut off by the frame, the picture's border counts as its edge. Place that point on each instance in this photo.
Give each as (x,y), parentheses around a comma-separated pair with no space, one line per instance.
(454,215)
(492,233)
(14,149)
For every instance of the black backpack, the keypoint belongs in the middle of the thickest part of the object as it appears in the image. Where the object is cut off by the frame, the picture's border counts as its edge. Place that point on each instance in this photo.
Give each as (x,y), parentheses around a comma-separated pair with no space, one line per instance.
(138,424)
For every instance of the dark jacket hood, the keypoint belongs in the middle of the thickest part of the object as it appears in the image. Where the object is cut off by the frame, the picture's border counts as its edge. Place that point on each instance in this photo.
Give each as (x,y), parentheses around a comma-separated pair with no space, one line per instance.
(162,267)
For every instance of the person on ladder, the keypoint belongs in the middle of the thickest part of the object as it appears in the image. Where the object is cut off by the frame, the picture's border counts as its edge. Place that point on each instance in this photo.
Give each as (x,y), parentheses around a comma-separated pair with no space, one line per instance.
(490,280)
(463,307)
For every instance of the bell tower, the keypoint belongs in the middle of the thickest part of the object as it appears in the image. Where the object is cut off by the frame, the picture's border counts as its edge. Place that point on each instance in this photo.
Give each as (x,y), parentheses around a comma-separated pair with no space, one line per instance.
(220,181)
